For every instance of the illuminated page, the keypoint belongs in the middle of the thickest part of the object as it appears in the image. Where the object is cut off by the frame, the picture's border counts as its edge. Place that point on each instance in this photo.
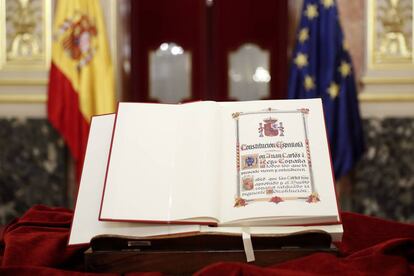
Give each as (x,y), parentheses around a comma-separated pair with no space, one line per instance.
(273,165)
(278,153)
(162,162)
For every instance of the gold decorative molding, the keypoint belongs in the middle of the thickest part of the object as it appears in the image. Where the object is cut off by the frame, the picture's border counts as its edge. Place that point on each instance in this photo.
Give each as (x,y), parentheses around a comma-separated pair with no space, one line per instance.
(23,98)
(23,82)
(378,80)
(385,97)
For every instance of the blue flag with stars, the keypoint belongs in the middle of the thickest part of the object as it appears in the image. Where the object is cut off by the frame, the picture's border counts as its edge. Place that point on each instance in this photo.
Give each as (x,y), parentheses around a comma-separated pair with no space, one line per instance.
(322,68)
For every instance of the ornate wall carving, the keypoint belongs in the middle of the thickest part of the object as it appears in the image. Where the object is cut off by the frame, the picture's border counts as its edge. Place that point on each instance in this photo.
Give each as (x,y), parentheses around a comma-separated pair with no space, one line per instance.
(25,34)
(389,50)
(393,34)
(25,37)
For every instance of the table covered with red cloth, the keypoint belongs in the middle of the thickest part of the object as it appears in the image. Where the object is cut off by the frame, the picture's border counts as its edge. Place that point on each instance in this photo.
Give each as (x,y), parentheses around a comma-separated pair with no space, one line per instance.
(36,244)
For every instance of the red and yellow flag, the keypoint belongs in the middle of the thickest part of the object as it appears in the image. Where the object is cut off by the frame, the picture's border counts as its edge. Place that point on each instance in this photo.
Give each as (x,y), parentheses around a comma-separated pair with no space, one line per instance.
(81,80)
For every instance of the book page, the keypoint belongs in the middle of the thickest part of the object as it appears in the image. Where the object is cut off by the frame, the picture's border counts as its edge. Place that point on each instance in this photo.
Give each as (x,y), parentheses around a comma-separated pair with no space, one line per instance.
(85,224)
(197,161)
(161,162)
(278,153)
(273,166)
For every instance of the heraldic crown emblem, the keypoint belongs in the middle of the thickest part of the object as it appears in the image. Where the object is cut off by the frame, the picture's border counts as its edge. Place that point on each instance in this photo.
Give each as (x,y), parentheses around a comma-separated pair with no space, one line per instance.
(78,35)
(271,127)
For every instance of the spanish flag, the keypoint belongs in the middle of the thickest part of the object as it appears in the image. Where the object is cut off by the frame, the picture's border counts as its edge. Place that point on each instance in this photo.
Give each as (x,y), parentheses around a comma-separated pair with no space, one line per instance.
(81,82)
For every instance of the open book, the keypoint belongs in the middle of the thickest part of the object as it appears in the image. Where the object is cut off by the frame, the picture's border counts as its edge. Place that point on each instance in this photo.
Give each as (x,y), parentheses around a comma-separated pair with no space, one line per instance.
(258,163)
(86,225)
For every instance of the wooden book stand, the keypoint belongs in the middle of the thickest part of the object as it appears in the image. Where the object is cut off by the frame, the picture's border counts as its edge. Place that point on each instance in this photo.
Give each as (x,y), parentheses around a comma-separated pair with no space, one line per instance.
(185,254)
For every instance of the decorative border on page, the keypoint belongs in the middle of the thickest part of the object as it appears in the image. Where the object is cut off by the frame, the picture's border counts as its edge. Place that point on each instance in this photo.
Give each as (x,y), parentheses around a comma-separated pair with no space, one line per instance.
(270,127)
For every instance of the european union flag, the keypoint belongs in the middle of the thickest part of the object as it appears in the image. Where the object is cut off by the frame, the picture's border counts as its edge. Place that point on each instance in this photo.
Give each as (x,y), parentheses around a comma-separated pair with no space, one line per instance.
(322,68)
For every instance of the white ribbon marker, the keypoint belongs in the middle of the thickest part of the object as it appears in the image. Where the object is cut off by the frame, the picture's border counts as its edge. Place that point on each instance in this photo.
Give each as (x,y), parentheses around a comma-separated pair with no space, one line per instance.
(248,246)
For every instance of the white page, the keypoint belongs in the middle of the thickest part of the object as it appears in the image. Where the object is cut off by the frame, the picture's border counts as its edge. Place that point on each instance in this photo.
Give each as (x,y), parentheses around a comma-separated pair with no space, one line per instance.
(322,174)
(160,149)
(197,161)
(85,223)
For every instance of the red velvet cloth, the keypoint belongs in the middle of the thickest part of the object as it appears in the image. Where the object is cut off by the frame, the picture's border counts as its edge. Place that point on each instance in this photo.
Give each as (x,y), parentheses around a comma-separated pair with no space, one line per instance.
(35,244)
